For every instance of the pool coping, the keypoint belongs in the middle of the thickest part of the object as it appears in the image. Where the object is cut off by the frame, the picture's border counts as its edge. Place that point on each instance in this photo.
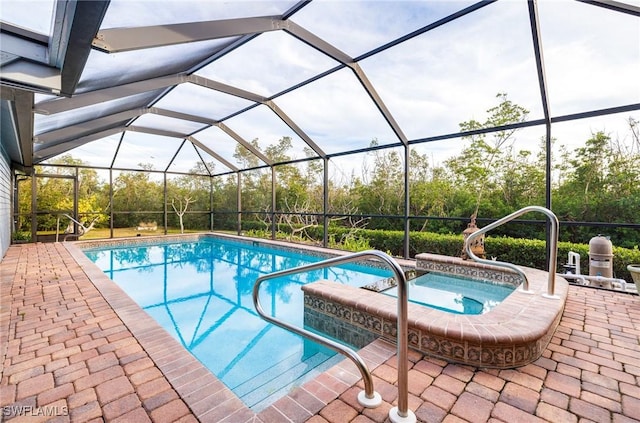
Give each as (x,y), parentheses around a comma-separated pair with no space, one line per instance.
(207,397)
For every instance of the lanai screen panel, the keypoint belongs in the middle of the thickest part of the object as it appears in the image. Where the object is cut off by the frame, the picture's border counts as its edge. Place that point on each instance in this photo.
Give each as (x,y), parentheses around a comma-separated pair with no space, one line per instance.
(213,165)
(432,64)
(592,59)
(139,151)
(169,124)
(453,73)
(38,19)
(48,122)
(200,101)
(268,129)
(573,134)
(225,146)
(99,153)
(104,70)
(131,13)
(337,113)
(357,27)
(191,160)
(154,62)
(268,64)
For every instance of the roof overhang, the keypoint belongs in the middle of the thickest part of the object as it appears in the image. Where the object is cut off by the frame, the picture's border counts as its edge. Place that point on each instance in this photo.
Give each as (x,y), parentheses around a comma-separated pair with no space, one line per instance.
(17,124)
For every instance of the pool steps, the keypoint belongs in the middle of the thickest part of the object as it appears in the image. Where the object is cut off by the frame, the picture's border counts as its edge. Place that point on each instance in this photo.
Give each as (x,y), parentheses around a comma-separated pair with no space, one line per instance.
(260,392)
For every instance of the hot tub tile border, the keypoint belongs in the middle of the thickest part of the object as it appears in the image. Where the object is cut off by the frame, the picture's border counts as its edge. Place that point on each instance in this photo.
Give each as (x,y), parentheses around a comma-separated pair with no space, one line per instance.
(427,262)
(498,339)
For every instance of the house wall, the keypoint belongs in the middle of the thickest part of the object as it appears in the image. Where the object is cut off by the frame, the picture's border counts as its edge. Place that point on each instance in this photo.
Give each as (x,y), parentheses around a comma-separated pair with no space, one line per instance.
(5,202)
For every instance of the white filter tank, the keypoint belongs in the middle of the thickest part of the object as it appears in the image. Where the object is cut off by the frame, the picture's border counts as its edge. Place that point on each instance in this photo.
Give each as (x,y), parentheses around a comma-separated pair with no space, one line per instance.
(600,257)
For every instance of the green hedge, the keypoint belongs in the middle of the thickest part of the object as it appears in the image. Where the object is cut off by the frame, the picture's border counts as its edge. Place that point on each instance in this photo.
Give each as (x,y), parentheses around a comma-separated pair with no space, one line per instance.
(523,252)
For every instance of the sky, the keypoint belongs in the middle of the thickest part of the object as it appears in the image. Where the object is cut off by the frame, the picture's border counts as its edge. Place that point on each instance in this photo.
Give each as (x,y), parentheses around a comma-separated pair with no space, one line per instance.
(430,83)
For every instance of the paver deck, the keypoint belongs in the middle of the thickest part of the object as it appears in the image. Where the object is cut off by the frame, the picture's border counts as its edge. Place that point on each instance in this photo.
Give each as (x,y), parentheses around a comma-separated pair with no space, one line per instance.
(71,353)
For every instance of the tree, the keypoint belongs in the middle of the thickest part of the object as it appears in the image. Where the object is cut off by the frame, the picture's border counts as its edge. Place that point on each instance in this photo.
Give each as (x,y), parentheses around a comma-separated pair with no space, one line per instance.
(181,209)
(478,167)
(136,198)
(56,195)
(256,183)
(431,193)
(602,184)
(523,179)
(380,189)
(197,188)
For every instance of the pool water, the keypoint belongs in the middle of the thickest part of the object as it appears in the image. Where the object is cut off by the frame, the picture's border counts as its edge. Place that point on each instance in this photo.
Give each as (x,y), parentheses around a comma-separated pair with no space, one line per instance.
(454,294)
(201,293)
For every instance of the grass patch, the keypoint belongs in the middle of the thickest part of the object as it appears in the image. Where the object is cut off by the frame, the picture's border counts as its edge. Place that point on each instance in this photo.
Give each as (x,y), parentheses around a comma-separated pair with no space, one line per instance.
(100,233)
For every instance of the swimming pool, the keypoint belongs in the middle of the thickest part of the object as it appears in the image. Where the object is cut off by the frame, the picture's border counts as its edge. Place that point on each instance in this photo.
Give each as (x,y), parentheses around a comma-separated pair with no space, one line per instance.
(513,334)
(200,292)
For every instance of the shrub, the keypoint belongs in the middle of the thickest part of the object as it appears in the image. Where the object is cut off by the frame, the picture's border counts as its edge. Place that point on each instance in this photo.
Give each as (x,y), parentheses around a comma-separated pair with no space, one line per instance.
(520,251)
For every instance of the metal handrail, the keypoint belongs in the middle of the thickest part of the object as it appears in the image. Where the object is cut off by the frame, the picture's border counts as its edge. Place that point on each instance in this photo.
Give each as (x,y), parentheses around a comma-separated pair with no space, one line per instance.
(368,398)
(553,253)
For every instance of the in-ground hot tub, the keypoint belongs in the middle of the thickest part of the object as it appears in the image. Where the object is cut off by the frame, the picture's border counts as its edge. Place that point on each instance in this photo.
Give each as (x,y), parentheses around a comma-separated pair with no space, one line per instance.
(512,334)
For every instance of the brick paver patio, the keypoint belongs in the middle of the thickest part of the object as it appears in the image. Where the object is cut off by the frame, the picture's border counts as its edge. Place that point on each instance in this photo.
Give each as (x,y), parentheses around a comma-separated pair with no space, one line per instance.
(68,356)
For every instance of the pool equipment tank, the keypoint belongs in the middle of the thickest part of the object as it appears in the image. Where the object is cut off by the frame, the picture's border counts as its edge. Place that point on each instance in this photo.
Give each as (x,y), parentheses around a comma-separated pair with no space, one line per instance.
(572,271)
(601,257)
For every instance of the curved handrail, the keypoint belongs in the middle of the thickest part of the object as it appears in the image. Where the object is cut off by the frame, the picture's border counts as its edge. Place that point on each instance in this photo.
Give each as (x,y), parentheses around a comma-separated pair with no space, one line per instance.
(553,254)
(370,397)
